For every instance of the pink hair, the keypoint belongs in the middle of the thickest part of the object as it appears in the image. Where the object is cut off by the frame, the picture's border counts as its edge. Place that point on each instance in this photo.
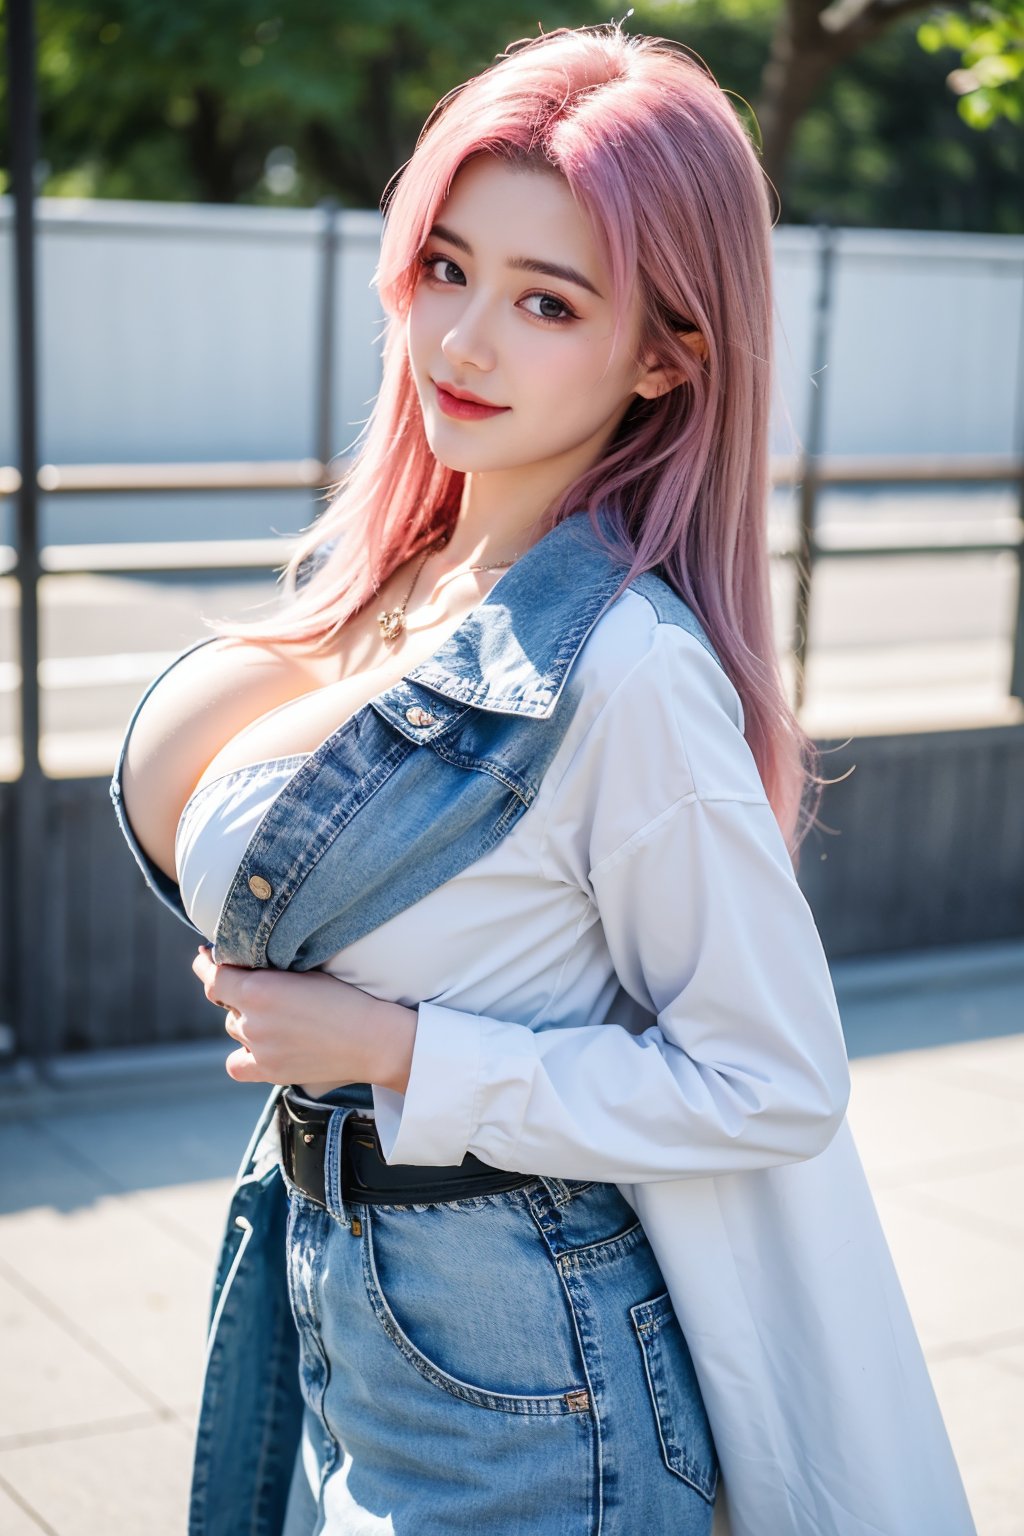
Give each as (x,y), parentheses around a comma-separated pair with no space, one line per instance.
(654,153)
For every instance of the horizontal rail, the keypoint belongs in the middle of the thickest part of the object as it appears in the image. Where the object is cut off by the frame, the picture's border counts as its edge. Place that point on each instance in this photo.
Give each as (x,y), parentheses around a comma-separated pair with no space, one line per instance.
(212,556)
(312,474)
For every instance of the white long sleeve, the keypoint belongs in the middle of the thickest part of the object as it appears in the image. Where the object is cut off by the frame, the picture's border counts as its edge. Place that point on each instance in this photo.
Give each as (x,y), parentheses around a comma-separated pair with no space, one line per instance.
(742,1063)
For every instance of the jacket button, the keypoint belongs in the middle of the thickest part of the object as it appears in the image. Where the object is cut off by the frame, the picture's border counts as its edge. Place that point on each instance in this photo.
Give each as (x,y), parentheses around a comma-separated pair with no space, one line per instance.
(260,888)
(418,716)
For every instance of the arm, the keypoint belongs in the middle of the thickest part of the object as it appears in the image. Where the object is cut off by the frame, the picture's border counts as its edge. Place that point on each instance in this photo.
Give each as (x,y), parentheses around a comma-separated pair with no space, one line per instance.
(742,1064)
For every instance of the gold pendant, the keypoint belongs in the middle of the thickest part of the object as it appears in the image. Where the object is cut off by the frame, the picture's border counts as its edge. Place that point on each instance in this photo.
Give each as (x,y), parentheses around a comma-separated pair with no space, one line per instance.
(392,622)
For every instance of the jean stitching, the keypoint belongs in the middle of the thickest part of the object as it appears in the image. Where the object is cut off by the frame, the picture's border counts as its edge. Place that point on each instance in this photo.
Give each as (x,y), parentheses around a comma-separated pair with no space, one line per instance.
(548,1403)
(648,1319)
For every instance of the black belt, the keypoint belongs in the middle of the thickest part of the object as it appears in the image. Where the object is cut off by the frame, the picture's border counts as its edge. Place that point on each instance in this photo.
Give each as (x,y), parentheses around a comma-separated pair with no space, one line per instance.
(365,1176)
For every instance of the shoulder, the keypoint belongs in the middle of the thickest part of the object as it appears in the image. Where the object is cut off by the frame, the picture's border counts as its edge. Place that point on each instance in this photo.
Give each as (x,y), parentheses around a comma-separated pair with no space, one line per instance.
(658,725)
(640,662)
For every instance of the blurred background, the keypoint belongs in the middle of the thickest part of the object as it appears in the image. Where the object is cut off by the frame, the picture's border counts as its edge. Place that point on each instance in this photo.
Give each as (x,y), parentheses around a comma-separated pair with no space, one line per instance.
(188,350)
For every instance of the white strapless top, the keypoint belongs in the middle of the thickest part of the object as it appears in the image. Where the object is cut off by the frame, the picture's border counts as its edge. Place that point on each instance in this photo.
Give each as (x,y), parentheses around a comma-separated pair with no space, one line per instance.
(215,828)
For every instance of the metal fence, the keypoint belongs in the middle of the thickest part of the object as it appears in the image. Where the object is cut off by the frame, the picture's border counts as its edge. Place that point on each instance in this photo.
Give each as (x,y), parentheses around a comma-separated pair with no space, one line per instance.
(36,804)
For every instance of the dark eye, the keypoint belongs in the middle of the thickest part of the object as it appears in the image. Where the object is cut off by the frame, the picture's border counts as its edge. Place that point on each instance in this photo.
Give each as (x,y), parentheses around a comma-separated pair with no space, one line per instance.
(429,263)
(561,309)
(555,312)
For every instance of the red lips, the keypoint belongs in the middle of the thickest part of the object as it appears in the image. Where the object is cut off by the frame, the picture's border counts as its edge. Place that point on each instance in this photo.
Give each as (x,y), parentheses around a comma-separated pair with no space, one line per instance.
(463,405)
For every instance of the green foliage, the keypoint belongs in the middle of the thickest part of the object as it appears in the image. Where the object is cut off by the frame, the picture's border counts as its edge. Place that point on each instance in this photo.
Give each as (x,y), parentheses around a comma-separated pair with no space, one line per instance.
(990,41)
(143,98)
(236,101)
(880,146)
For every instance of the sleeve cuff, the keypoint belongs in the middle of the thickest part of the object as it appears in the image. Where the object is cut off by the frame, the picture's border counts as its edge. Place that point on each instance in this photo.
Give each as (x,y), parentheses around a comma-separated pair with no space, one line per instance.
(433,1122)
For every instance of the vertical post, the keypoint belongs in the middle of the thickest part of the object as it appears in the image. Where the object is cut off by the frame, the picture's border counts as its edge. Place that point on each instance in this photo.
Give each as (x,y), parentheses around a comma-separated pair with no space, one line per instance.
(325,348)
(1017,666)
(807,543)
(31,859)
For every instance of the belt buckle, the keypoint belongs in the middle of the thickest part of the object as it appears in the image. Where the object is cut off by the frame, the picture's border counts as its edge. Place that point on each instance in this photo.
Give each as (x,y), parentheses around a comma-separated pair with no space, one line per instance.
(363,1132)
(297,1132)
(364,1129)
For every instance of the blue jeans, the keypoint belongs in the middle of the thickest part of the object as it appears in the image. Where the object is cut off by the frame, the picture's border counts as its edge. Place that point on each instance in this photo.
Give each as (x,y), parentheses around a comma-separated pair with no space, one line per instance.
(499,1363)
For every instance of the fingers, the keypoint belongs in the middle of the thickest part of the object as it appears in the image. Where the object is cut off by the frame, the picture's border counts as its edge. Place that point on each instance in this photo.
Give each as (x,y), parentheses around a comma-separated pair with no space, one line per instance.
(241,1066)
(233,1025)
(219,982)
(223,986)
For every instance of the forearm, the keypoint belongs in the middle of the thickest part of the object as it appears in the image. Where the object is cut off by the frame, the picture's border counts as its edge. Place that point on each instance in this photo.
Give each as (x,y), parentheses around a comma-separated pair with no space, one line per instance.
(390,1041)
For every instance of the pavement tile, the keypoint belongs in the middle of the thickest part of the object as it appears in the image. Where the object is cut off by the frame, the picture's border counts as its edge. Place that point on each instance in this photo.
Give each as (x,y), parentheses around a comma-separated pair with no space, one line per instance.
(133,1482)
(984,1411)
(151,1145)
(137,1294)
(38,1173)
(960,1286)
(14,1521)
(60,1384)
(1011,1359)
(988,1200)
(906,1120)
(996,1065)
(194,1214)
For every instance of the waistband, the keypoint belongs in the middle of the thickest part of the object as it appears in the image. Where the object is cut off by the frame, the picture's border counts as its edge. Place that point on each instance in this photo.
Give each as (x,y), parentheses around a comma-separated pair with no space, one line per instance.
(365,1175)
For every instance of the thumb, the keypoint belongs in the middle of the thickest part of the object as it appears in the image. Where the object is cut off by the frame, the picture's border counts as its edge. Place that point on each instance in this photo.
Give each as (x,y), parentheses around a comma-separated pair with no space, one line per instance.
(242,1067)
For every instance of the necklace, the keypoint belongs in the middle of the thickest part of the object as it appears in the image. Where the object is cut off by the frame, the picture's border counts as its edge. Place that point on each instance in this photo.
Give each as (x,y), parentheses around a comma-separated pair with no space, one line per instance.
(392,620)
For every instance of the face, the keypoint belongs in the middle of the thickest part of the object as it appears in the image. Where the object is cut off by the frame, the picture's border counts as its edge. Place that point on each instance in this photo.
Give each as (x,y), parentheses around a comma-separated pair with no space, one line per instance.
(486,321)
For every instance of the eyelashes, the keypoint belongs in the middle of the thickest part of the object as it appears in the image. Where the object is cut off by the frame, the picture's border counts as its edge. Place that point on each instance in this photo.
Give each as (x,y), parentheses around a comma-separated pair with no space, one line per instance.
(428,262)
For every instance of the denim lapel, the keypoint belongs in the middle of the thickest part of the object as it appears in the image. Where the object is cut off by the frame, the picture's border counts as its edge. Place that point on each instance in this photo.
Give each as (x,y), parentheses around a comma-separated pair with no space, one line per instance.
(512,653)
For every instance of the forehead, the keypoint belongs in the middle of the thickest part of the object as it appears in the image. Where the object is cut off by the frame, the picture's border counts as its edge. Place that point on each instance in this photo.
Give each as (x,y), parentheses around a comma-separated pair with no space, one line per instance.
(519,211)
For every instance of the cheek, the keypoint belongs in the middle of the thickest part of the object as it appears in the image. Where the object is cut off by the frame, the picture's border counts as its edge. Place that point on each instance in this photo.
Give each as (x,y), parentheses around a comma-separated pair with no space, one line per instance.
(414,330)
(574,377)
(425,327)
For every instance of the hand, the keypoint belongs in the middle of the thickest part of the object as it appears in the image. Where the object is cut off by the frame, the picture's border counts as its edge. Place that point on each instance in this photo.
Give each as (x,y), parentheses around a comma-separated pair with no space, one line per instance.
(307,1026)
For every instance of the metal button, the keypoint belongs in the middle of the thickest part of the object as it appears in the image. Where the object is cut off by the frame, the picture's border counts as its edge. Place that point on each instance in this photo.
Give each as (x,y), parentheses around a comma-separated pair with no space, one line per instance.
(417,716)
(308,1138)
(260,888)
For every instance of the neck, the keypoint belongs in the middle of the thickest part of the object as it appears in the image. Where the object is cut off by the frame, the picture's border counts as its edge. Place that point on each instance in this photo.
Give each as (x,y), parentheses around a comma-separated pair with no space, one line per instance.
(497,518)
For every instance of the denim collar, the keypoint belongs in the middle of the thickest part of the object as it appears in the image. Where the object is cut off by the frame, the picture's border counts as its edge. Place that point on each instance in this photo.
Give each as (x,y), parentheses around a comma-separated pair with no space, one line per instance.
(513,652)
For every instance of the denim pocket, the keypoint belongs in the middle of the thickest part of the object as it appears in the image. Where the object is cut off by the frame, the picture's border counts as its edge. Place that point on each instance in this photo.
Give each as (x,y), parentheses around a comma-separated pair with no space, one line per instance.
(468,1294)
(687,1446)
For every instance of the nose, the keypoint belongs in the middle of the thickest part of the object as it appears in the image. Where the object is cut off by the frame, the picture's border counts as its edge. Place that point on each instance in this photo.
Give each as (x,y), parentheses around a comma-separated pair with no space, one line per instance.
(468,343)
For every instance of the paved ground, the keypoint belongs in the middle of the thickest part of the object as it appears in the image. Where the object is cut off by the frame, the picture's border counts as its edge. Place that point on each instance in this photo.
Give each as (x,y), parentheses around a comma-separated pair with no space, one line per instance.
(109,1221)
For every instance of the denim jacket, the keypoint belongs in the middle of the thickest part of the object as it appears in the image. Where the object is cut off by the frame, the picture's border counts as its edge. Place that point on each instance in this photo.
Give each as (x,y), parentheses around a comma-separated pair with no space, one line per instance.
(420,783)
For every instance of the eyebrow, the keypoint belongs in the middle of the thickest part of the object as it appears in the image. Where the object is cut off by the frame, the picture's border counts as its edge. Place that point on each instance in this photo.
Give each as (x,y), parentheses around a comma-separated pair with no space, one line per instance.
(522,263)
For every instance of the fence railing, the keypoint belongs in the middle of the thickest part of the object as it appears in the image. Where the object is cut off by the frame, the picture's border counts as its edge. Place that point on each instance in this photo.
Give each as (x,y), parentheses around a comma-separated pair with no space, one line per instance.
(27,906)
(35,794)
(809,473)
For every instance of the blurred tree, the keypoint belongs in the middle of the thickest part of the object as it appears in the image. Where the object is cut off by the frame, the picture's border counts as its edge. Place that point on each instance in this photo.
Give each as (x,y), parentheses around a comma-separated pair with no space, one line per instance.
(874,140)
(810,40)
(231,101)
(139,98)
(990,41)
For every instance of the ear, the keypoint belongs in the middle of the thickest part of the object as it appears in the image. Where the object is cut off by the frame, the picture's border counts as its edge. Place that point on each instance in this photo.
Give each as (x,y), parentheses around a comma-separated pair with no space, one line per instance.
(658,378)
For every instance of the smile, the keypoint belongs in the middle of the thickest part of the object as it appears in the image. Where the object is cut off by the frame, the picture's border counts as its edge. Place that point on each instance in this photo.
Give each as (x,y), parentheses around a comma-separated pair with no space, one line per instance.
(465,410)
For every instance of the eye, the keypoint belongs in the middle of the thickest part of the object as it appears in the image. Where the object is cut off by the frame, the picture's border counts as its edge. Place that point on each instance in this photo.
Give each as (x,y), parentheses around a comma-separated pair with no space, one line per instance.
(429,263)
(565,313)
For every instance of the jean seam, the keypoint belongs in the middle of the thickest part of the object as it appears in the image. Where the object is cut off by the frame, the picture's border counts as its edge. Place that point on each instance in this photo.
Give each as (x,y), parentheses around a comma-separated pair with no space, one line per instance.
(540,1404)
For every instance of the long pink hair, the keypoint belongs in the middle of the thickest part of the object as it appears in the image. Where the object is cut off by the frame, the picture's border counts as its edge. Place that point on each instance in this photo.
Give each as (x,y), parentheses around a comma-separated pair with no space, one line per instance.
(653,151)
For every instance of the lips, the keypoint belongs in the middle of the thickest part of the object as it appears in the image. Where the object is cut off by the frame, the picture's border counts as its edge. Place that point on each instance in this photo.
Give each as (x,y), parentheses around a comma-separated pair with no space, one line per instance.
(463,408)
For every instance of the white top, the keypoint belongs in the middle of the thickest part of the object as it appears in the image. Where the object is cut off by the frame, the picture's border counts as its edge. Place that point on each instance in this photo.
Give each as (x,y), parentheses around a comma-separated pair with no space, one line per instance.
(649,887)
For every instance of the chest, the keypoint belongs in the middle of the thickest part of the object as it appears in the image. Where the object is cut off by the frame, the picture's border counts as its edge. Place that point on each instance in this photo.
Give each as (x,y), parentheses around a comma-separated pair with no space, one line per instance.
(313,691)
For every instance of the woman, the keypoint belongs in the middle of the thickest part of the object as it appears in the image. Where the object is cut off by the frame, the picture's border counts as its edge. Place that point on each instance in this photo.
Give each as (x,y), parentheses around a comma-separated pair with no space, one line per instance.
(492,824)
